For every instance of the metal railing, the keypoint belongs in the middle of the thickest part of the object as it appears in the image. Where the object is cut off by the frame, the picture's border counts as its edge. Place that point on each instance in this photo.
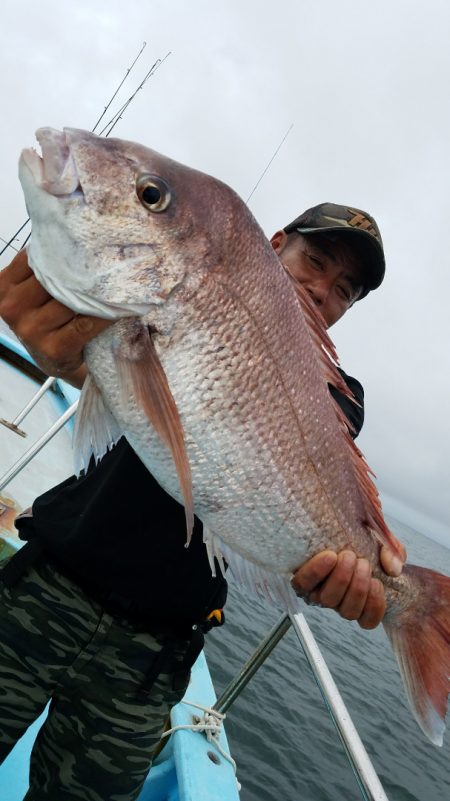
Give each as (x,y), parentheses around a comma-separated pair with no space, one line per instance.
(369,784)
(31,452)
(14,424)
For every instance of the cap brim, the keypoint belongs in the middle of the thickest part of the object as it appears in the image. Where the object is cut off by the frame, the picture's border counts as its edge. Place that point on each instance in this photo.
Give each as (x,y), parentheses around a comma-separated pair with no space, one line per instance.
(374,276)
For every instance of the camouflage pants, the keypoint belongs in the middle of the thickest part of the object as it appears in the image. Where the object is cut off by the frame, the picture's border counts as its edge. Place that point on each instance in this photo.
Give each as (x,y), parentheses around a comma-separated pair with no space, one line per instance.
(55,643)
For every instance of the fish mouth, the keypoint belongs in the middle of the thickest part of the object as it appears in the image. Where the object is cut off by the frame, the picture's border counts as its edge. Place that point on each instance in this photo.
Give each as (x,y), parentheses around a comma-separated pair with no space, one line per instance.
(55,171)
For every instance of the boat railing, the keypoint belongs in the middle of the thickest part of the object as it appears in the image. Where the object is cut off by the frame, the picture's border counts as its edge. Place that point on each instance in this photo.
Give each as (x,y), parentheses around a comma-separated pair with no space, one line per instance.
(366,776)
(14,424)
(367,779)
(24,460)
(15,353)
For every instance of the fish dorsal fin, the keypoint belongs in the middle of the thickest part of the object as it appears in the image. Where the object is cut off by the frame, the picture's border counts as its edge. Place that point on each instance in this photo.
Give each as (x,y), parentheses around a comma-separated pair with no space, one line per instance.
(140,366)
(326,351)
(96,429)
(328,362)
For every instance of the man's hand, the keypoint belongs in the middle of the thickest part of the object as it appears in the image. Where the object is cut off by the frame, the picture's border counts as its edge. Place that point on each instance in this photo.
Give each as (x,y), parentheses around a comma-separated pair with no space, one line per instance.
(344,582)
(54,335)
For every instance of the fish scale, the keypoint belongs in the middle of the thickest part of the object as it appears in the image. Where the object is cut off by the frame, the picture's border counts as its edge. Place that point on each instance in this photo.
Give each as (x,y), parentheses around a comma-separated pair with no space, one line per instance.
(281,495)
(217,371)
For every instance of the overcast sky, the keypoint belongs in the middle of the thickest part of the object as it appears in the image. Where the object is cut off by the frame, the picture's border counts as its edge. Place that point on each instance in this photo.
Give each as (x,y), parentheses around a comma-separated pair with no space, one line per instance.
(367,91)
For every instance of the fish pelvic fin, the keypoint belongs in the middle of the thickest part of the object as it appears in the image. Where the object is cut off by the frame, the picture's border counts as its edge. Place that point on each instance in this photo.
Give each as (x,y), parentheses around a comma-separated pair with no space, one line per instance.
(420,637)
(141,369)
(96,429)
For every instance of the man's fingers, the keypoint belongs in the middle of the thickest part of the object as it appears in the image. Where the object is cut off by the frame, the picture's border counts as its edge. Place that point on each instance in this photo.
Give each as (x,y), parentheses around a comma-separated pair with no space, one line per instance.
(313,572)
(61,349)
(89,327)
(342,582)
(32,292)
(33,324)
(18,269)
(13,276)
(54,335)
(375,606)
(390,562)
(334,589)
(19,298)
(355,598)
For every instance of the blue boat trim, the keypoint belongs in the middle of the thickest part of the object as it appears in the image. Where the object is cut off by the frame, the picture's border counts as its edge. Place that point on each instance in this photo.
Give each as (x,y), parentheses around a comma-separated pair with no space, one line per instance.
(186,754)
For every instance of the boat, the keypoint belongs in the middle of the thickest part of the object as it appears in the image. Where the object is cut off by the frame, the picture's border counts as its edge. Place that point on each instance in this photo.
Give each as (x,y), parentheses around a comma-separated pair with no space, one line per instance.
(194,761)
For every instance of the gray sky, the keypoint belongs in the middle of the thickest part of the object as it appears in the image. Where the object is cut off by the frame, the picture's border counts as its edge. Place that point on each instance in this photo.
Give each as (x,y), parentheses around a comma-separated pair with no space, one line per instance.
(366,88)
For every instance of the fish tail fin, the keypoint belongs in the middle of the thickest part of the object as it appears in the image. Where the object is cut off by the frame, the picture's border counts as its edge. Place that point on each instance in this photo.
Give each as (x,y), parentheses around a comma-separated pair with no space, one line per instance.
(420,637)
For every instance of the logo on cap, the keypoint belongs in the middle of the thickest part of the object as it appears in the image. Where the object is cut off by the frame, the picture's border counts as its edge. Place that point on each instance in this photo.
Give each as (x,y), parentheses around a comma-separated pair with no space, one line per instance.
(361,221)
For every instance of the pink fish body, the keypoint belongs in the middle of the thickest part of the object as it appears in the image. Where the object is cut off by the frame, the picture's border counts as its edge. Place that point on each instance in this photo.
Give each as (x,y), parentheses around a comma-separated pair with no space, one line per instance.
(218,377)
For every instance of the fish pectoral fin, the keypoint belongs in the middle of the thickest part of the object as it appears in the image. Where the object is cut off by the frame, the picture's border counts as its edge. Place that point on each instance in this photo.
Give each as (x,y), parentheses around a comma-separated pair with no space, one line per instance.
(141,369)
(420,637)
(96,429)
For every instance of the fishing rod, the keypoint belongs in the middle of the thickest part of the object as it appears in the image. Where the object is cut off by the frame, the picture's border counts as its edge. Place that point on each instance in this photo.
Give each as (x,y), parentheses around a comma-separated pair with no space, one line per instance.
(270,161)
(144,45)
(111,123)
(9,244)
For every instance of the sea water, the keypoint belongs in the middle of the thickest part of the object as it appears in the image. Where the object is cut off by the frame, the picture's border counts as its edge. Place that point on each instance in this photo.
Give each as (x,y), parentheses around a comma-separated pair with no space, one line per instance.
(279,729)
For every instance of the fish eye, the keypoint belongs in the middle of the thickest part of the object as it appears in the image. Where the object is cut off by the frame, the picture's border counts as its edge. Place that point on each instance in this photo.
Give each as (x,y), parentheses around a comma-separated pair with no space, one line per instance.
(153,193)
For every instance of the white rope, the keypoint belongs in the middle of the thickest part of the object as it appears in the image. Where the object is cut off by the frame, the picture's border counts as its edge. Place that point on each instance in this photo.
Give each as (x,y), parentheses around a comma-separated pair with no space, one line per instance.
(210,725)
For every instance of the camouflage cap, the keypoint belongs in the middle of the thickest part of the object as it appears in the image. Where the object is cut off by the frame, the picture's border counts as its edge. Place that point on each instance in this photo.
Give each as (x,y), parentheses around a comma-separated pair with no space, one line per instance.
(351,221)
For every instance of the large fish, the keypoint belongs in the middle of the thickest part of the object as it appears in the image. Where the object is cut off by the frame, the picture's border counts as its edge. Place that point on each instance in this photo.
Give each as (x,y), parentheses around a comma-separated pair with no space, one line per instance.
(217,376)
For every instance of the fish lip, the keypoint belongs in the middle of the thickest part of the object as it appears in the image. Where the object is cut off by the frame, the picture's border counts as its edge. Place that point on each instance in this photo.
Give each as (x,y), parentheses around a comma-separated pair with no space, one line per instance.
(55,171)
(35,164)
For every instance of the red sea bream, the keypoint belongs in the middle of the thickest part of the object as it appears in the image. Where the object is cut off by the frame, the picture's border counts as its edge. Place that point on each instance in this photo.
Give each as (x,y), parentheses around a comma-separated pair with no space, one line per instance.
(217,376)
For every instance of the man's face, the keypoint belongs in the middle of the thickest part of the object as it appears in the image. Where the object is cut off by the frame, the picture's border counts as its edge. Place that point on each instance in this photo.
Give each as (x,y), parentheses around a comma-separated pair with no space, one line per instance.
(331,273)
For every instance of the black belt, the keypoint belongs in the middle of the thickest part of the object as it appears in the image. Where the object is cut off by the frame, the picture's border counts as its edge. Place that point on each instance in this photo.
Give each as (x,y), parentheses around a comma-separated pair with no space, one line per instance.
(111,601)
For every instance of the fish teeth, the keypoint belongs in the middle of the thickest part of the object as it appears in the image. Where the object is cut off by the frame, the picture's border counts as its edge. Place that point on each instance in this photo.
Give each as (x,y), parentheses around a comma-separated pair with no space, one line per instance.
(60,175)
(31,158)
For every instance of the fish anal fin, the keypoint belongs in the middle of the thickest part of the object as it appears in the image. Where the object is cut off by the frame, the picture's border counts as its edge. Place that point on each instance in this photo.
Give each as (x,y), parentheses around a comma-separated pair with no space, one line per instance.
(96,429)
(214,552)
(140,366)
(257,580)
(420,637)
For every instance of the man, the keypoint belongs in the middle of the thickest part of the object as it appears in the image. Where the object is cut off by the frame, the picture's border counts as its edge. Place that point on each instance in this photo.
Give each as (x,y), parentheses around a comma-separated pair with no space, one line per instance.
(336,252)
(104,618)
